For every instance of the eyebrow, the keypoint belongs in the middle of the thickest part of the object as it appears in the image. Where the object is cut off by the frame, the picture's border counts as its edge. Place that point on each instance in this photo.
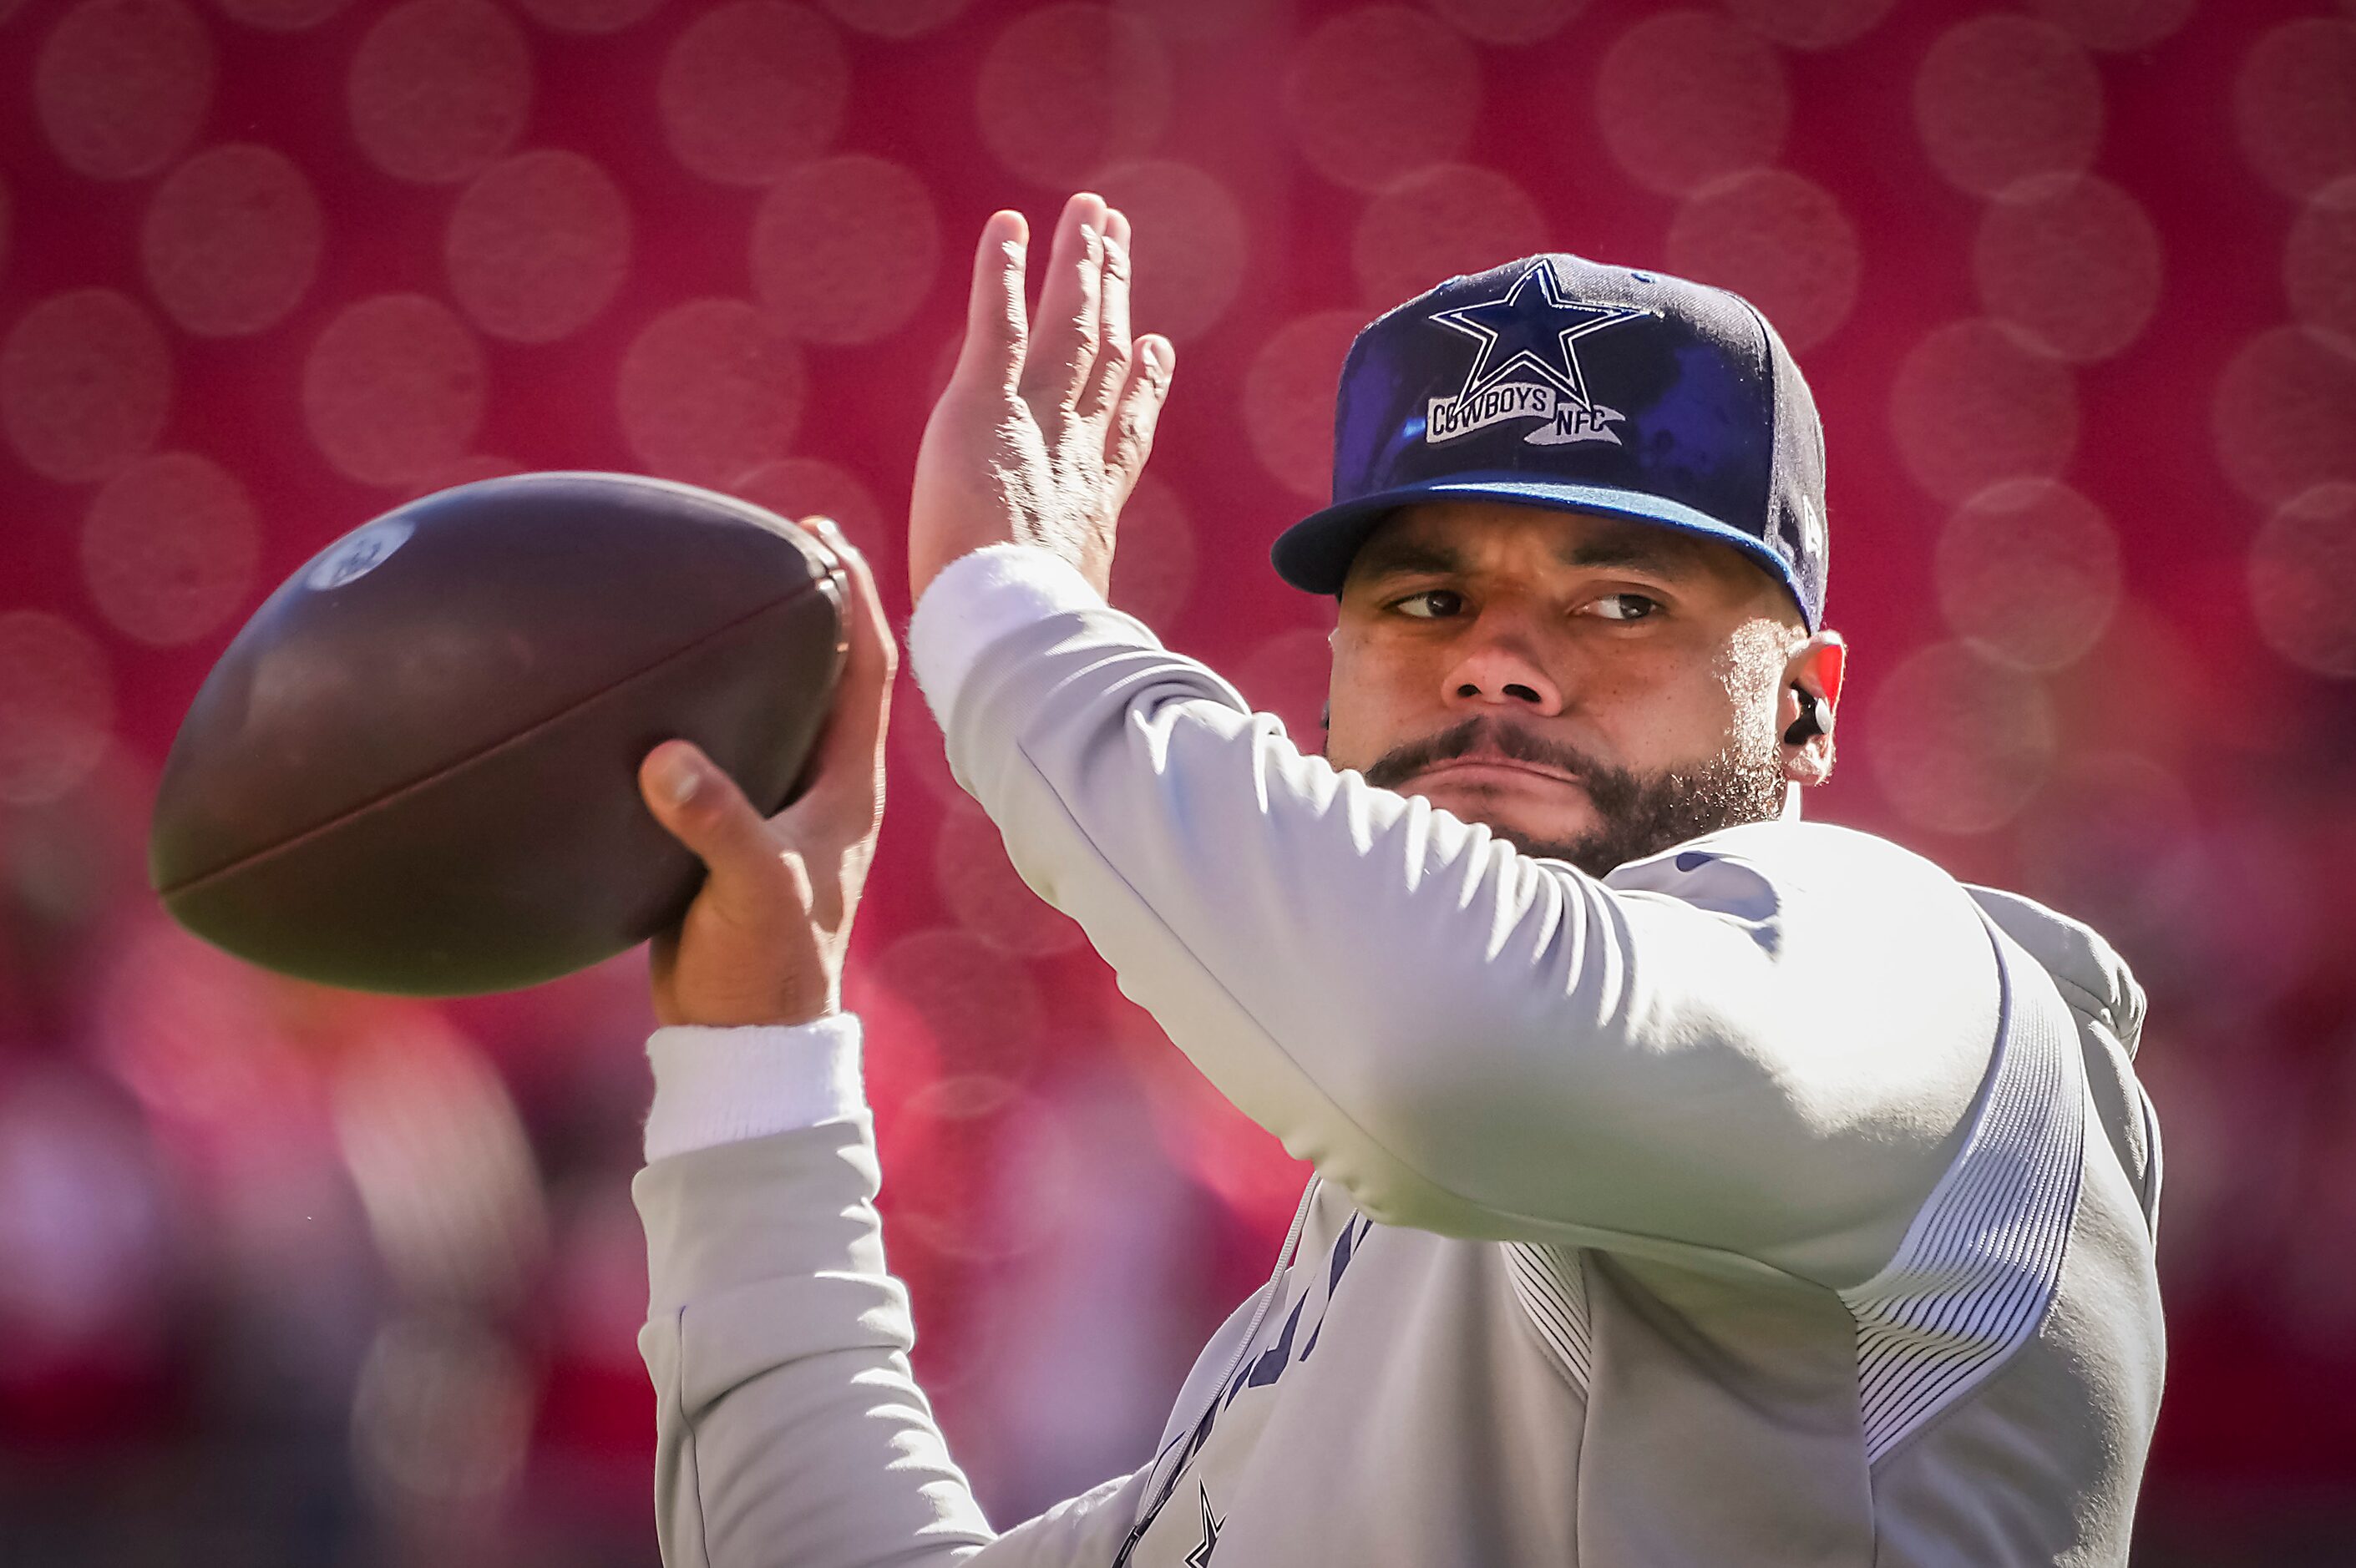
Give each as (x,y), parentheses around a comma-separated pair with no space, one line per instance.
(1636,548)
(1397,557)
(1642,551)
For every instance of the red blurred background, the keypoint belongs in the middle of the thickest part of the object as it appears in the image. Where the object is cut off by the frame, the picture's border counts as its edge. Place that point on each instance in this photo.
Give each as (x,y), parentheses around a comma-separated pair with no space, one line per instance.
(291,1276)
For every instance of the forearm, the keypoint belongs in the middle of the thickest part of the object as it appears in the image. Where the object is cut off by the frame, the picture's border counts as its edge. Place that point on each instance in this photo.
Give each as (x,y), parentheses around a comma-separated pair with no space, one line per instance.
(787,1426)
(788,1429)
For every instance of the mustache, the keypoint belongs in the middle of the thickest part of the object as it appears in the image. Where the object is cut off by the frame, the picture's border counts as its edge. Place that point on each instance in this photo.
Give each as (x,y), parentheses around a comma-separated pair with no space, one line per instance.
(1478,734)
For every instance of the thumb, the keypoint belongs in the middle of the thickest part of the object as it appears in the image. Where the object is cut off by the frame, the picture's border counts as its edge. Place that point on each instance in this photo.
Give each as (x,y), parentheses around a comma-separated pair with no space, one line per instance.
(701,807)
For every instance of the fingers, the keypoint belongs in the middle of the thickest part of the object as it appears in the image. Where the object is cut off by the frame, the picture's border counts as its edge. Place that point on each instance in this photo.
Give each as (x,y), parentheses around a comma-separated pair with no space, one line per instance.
(1113,364)
(703,808)
(997,325)
(846,770)
(1129,439)
(1069,329)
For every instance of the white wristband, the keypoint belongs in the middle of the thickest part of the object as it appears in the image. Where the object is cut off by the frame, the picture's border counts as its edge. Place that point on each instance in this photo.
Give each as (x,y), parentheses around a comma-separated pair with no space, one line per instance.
(721,1085)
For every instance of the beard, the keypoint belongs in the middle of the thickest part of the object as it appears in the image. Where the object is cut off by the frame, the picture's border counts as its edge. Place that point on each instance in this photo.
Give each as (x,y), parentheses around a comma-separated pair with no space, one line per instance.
(1639,814)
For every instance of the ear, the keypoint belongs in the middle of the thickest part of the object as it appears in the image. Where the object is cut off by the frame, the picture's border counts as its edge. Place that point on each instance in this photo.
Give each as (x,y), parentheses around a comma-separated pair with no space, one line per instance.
(1815,667)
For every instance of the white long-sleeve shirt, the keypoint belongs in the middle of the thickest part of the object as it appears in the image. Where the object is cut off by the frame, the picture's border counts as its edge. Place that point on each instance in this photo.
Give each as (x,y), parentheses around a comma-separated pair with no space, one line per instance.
(1774,1200)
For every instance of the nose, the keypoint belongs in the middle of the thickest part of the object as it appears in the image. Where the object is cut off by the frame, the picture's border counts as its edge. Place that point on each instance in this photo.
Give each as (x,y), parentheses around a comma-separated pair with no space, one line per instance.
(1497,666)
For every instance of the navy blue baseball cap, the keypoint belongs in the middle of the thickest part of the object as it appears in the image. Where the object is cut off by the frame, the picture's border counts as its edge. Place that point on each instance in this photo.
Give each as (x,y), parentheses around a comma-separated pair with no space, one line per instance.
(1554,381)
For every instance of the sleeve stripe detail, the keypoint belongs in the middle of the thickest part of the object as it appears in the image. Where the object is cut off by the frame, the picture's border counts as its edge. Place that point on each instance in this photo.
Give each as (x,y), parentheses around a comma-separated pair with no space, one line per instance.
(1551,1284)
(1978,1269)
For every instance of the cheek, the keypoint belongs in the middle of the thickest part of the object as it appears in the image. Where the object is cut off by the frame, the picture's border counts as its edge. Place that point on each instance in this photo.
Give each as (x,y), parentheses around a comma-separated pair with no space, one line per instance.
(1750,684)
(1373,694)
(1662,709)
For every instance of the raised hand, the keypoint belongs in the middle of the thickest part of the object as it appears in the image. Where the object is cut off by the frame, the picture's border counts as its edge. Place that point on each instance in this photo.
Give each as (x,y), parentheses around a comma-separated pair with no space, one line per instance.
(1042,431)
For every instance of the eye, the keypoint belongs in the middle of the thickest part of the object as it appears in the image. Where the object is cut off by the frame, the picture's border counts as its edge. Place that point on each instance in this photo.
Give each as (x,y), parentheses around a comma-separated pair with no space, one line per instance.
(1431,604)
(1626,607)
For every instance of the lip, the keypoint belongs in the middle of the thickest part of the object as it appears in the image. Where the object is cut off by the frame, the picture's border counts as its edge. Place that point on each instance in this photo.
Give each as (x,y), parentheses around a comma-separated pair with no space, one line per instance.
(1491,764)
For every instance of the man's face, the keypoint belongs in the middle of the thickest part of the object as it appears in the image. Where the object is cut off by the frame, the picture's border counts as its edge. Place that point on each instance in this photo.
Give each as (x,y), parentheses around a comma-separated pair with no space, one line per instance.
(1592,689)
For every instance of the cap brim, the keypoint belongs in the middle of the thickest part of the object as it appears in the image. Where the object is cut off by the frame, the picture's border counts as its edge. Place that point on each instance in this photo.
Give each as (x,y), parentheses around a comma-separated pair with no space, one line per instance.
(1314,554)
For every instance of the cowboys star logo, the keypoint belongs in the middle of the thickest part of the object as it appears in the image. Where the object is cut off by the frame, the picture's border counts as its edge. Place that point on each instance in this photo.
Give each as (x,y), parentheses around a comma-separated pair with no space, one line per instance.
(1201,1556)
(1527,366)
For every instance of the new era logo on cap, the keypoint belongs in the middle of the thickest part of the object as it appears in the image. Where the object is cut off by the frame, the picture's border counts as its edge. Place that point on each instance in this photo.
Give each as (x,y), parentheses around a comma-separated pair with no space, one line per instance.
(1553,381)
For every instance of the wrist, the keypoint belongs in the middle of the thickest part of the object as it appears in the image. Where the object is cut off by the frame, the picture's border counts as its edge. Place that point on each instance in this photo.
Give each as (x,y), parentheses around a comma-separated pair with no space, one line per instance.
(750,1015)
(719,1085)
(739,995)
(980,597)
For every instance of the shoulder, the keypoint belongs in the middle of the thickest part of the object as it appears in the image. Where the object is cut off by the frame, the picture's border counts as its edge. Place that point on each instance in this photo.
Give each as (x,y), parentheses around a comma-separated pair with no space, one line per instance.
(1765,866)
(1760,869)
(2088,971)
(1881,942)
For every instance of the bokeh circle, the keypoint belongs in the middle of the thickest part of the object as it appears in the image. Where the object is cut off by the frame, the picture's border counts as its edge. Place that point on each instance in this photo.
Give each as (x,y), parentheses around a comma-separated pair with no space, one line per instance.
(985,1011)
(394,389)
(439,89)
(2303,579)
(121,86)
(169,548)
(1287,399)
(2001,97)
(2295,107)
(2070,260)
(57,706)
(1154,565)
(1196,20)
(1189,248)
(2319,261)
(982,891)
(1779,239)
(1289,675)
(1688,97)
(845,248)
(1438,222)
(85,384)
(2027,574)
(2284,414)
(1971,406)
(230,240)
(538,245)
(751,89)
(1379,90)
(1958,743)
(798,487)
(709,390)
(1067,89)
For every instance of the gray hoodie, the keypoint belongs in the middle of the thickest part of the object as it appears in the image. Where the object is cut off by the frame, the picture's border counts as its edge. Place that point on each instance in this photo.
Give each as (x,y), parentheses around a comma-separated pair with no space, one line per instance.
(1775,1199)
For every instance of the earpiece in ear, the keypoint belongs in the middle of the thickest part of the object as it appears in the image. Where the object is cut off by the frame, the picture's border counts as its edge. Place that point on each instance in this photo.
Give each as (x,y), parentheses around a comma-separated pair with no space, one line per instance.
(1809,724)
(1326,717)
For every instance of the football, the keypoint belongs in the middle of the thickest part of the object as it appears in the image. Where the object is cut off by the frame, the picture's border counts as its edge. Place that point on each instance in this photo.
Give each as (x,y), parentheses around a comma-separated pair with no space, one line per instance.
(414,770)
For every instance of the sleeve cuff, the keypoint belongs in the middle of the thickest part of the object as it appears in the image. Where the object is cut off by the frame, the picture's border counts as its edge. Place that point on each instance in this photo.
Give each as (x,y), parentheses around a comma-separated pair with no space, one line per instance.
(723,1085)
(980,598)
